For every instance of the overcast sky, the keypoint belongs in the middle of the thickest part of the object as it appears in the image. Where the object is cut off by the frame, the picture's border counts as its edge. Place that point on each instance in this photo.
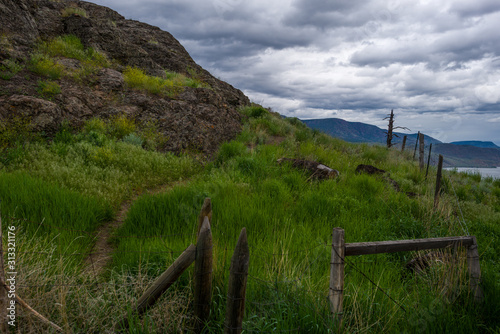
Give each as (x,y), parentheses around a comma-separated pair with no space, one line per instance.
(436,63)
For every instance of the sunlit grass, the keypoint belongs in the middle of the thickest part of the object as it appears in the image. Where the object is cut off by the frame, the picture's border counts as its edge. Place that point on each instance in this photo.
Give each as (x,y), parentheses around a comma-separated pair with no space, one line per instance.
(172,84)
(289,218)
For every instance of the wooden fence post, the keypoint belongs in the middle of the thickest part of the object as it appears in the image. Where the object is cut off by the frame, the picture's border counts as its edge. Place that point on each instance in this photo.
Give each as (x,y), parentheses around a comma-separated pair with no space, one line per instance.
(438,181)
(421,152)
(235,306)
(416,143)
(203,276)
(428,161)
(337,275)
(206,211)
(474,271)
(163,282)
(404,143)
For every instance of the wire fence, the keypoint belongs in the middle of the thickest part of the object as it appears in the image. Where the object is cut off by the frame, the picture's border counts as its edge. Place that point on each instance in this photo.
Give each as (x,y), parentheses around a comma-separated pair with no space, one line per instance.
(280,289)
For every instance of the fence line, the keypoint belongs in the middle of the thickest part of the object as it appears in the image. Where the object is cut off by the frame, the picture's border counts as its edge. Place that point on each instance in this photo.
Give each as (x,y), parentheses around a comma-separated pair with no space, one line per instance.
(340,250)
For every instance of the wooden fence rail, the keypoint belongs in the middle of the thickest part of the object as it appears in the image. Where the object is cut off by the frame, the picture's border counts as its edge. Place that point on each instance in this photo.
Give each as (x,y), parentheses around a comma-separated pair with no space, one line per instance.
(341,250)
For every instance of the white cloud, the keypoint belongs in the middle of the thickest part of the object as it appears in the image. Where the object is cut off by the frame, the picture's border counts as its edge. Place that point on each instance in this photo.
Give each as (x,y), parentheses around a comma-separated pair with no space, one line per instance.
(432,61)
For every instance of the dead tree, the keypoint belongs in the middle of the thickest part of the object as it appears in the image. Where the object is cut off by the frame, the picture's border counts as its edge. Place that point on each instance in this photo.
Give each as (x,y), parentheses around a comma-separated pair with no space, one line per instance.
(390,134)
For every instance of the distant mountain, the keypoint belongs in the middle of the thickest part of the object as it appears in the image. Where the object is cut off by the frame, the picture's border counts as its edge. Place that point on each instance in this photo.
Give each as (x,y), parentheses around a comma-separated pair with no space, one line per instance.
(466,155)
(476,143)
(456,154)
(357,132)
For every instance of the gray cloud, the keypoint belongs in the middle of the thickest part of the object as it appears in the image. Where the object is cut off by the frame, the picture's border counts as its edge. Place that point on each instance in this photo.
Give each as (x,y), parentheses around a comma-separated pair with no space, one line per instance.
(432,61)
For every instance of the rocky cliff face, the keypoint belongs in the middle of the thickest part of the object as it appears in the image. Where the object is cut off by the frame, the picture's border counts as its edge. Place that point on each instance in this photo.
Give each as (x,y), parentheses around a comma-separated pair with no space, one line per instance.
(199,118)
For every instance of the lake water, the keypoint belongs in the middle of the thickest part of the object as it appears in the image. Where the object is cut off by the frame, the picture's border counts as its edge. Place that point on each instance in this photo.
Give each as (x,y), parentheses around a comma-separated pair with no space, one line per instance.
(494,172)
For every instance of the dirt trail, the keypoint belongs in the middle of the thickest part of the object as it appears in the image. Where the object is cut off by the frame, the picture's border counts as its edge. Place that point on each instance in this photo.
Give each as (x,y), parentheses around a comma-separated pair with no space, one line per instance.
(102,252)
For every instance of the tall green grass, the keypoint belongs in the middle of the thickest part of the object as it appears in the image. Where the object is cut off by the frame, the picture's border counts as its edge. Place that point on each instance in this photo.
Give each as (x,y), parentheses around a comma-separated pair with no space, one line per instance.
(35,207)
(96,163)
(289,219)
(170,85)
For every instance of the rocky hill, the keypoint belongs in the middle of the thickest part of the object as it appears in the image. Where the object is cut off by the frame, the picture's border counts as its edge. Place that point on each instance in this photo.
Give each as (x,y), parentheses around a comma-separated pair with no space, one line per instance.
(47,85)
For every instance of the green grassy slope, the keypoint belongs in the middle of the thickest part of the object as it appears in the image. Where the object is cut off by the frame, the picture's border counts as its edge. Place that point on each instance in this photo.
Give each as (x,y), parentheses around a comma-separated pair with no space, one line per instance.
(289,218)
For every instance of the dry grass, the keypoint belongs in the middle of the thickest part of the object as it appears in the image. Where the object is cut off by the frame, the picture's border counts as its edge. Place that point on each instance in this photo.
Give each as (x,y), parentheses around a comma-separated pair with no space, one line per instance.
(80,302)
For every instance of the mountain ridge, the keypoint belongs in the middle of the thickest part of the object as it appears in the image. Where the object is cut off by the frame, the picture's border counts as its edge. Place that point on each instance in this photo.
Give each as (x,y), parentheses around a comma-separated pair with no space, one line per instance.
(457,154)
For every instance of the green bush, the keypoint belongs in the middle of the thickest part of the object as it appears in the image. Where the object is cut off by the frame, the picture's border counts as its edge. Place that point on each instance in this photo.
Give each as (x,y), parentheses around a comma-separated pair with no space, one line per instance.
(64,134)
(133,139)
(48,89)
(97,125)
(9,69)
(70,46)
(153,137)
(172,84)
(254,111)
(68,11)
(136,78)
(121,126)
(230,150)
(44,65)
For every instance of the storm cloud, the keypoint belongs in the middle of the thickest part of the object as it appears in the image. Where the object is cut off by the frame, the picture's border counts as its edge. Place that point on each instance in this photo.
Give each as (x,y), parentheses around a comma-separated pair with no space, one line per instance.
(436,63)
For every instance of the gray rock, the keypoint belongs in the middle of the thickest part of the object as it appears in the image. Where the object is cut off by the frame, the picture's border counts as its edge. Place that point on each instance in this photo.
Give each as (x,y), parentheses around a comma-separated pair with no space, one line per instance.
(197,118)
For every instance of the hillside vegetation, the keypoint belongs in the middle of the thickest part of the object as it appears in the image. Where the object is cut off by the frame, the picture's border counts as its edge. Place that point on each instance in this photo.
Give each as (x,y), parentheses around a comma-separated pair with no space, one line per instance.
(57,192)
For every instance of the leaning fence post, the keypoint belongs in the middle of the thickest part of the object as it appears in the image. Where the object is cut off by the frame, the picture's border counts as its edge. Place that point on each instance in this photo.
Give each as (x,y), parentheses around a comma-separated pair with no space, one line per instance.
(163,282)
(337,275)
(203,276)
(404,144)
(438,181)
(206,211)
(474,271)
(235,305)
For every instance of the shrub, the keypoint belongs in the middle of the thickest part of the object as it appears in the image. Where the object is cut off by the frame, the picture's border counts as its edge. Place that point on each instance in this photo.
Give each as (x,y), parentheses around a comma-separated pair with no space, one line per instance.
(48,89)
(133,139)
(43,65)
(95,138)
(68,11)
(296,122)
(230,150)
(121,126)
(16,129)
(95,124)
(70,46)
(9,68)
(254,111)
(64,134)
(136,78)
(152,137)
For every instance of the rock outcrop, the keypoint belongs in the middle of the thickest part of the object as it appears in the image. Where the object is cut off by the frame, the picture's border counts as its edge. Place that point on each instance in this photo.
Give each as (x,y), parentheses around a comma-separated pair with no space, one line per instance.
(199,118)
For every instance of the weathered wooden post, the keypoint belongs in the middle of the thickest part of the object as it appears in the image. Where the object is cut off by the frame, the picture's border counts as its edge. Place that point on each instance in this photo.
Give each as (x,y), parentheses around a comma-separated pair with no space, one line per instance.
(206,211)
(235,306)
(203,276)
(438,181)
(163,282)
(337,275)
(416,143)
(421,152)
(404,144)
(428,161)
(474,271)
